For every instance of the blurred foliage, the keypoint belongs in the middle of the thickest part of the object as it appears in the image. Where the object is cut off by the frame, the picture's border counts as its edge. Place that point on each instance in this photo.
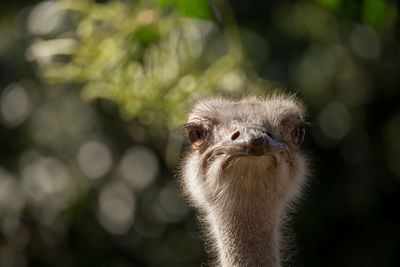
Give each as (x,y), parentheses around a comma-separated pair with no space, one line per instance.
(147,57)
(92,90)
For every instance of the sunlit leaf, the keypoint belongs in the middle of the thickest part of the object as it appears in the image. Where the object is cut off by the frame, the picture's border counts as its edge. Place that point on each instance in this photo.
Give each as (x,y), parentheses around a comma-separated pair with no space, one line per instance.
(200,9)
(196,9)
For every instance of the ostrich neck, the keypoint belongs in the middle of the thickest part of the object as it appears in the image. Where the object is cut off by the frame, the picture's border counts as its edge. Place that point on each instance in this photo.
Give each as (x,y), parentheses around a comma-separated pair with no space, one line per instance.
(246,233)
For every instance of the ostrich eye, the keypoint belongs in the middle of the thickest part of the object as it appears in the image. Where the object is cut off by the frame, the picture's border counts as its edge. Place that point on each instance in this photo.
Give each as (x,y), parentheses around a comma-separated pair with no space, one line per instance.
(197,136)
(298,135)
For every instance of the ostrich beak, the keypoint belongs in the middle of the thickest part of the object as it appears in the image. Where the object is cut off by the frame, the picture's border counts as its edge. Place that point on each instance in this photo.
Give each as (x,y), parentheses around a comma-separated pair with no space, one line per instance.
(255,139)
(250,141)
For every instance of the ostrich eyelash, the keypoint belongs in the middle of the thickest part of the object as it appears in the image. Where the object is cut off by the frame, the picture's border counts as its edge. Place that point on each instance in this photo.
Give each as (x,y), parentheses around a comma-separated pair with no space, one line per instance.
(187,127)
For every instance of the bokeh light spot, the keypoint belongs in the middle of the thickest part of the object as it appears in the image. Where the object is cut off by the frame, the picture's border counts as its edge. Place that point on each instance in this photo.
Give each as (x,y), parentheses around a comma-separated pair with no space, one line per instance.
(365,42)
(139,166)
(11,198)
(335,120)
(95,159)
(232,81)
(116,208)
(47,183)
(45,18)
(169,207)
(15,105)
(392,133)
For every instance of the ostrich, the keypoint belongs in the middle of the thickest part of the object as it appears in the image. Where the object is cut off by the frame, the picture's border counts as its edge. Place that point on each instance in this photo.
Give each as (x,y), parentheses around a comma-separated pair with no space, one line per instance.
(242,172)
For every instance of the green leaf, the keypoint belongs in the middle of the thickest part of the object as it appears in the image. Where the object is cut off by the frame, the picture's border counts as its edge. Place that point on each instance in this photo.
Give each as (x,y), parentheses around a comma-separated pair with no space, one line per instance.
(332,4)
(196,9)
(165,3)
(147,35)
(374,12)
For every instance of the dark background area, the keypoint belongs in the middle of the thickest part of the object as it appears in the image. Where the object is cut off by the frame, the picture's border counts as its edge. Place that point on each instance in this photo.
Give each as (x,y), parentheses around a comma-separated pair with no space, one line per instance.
(88,163)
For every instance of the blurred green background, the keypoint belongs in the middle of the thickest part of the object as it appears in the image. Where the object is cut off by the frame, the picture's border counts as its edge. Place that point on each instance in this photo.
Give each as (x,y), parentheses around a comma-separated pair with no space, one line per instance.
(92,94)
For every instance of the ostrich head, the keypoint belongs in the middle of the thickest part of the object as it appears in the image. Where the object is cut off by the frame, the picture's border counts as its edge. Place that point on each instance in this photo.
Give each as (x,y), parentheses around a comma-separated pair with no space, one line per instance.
(252,144)
(243,168)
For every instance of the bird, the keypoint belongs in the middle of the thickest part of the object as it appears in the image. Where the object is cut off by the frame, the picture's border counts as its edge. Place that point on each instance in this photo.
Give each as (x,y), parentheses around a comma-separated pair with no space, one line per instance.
(243,172)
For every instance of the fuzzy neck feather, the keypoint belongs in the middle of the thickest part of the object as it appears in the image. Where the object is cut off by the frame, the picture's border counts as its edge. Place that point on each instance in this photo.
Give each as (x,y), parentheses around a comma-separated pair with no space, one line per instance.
(245,237)
(244,219)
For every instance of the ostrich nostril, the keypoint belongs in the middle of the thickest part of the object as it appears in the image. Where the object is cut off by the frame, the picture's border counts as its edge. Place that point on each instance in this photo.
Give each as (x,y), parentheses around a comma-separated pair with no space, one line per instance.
(257,141)
(235,135)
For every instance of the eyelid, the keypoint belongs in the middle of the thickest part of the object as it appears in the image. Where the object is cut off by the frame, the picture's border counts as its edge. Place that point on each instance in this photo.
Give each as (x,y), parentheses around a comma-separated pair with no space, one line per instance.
(190,126)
